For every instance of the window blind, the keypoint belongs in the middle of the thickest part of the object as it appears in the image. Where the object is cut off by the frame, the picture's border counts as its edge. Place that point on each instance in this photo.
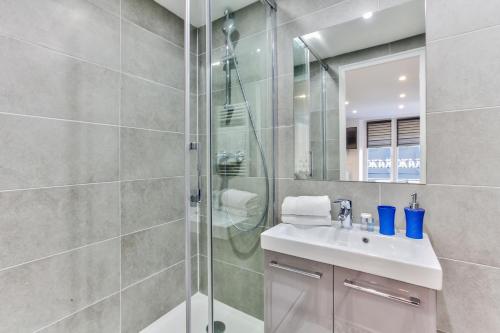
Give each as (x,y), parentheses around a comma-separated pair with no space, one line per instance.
(408,132)
(378,134)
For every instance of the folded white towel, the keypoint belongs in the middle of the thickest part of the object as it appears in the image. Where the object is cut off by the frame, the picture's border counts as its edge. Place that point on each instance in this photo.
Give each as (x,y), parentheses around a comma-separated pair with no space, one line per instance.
(306,205)
(307,220)
(237,199)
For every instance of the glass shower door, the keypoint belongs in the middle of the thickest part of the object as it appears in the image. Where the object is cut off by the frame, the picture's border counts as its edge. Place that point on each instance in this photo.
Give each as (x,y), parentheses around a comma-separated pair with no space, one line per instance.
(241,164)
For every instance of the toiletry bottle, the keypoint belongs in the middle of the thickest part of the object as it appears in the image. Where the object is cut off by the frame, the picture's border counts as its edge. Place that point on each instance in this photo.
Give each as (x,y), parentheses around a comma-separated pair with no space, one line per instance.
(414,219)
(365,218)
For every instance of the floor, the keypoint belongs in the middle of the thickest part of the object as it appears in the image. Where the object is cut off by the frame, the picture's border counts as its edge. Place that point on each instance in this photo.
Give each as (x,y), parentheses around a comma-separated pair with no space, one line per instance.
(235,320)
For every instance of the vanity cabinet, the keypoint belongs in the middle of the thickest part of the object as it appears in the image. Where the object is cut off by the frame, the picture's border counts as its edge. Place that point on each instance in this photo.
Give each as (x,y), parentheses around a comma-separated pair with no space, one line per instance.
(311,297)
(298,295)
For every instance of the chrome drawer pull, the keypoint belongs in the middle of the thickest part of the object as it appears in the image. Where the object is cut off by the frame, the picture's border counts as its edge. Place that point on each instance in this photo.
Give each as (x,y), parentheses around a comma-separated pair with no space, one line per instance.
(287,268)
(414,301)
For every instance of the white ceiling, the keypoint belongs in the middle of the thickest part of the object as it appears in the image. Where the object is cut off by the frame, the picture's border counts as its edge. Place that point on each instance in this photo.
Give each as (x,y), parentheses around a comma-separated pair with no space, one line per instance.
(383,27)
(374,90)
(198,8)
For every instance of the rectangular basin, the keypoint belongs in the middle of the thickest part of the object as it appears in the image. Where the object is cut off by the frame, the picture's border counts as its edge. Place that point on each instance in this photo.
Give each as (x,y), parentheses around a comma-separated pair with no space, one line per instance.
(395,257)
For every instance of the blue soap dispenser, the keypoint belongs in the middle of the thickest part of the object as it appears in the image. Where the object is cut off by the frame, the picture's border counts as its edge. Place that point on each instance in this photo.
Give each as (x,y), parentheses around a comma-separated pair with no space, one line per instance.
(414,219)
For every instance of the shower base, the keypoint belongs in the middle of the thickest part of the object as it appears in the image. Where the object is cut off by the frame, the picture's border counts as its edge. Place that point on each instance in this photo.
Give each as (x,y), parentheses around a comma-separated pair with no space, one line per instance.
(235,320)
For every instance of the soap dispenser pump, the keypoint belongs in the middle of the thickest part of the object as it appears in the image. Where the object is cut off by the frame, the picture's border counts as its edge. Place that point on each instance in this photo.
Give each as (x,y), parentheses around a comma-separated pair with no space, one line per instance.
(414,219)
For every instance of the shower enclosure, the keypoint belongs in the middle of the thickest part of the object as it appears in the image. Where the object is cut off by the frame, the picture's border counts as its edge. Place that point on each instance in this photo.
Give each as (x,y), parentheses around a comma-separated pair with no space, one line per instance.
(231,198)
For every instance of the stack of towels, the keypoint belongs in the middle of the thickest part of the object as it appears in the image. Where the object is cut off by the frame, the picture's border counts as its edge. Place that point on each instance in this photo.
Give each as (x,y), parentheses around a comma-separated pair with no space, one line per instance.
(240,203)
(307,210)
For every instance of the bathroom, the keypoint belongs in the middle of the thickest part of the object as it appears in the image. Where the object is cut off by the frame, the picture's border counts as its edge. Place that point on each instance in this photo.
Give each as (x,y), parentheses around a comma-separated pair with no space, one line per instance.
(152,161)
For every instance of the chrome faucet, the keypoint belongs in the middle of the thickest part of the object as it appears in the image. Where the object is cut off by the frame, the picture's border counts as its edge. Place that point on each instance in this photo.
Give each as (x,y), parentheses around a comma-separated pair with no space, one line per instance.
(345,213)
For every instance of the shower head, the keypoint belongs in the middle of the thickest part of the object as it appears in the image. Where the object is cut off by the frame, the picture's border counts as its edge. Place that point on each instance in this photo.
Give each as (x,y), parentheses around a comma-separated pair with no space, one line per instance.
(229,26)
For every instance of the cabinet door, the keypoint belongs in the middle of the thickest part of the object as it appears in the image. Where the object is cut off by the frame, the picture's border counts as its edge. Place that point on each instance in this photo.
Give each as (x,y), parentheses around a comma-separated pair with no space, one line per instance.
(299,295)
(361,305)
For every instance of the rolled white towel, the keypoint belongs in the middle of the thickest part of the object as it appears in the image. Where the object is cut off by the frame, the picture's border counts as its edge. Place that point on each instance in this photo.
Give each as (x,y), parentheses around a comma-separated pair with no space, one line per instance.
(237,199)
(306,205)
(307,220)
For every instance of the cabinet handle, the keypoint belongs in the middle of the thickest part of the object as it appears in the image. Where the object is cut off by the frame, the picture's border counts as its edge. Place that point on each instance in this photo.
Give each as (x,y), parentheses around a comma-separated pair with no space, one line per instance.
(315,275)
(356,285)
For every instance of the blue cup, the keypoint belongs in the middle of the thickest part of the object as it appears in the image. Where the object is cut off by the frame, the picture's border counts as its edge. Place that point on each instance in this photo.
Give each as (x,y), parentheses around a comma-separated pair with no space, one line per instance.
(386,217)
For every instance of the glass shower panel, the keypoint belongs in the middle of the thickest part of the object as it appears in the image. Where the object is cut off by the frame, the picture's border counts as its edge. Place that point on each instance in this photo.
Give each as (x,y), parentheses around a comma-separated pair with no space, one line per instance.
(242,173)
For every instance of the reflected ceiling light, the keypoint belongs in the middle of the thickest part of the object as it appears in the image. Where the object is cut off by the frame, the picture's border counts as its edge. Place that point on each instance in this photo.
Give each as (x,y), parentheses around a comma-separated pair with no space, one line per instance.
(216,63)
(402,78)
(301,96)
(346,102)
(401,106)
(354,111)
(313,35)
(367,15)
(403,95)
(258,50)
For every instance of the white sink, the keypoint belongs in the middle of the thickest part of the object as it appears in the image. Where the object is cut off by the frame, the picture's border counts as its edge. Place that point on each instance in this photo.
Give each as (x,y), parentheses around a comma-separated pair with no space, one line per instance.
(396,257)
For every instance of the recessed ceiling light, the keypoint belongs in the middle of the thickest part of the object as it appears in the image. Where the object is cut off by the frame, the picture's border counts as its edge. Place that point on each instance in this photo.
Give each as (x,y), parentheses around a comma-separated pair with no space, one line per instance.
(403,95)
(258,50)
(346,102)
(367,15)
(354,111)
(402,78)
(401,106)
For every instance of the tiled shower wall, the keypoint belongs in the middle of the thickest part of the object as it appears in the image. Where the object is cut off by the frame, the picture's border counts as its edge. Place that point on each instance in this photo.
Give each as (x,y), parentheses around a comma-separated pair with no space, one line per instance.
(463,120)
(91,167)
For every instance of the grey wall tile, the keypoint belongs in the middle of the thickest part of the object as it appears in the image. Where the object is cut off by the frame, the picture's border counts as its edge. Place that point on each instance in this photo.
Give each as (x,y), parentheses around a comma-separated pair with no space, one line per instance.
(150,299)
(113,6)
(150,56)
(38,223)
(41,152)
(448,18)
(151,154)
(41,82)
(146,203)
(149,251)
(285,157)
(155,18)
(38,293)
(455,139)
(95,36)
(246,291)
(103,316)
(149,105)
(461,221)
(462,71)
(470,299)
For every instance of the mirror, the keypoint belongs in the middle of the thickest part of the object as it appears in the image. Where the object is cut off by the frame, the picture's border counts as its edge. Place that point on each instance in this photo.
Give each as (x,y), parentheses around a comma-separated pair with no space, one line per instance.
(359,98)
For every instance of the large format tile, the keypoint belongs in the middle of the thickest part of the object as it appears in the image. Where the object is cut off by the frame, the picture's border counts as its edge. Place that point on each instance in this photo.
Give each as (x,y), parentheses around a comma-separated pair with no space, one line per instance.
(470,299)
(112,6)
(150,56)
(462,72)
(462,147)
(38,223)
(461,221)
(447,18)
(43,152)
(40,82)
(285,158)
(150,299)
(146,203)
(103,316)
(149,105)
(155,18)
(149,251)
(236,287)
(151,154)
(38,293)
(76,27)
